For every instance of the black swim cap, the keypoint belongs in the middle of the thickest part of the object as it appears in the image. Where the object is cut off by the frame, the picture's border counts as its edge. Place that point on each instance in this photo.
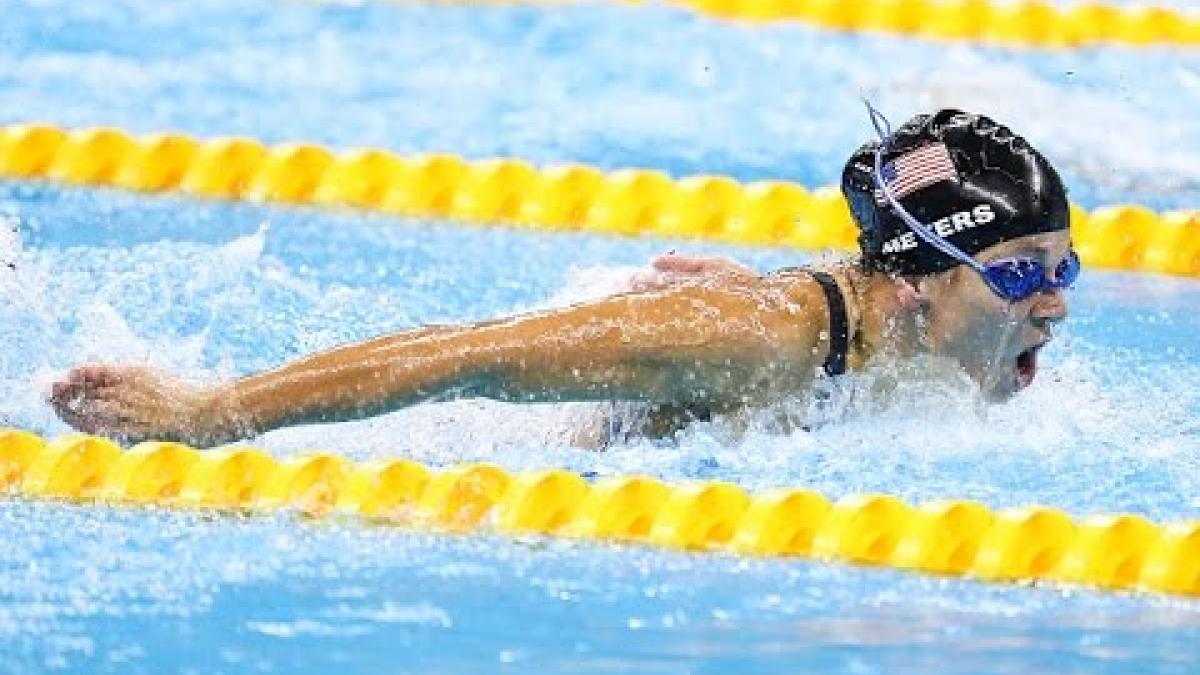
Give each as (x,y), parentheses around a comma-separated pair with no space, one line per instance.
(970,179)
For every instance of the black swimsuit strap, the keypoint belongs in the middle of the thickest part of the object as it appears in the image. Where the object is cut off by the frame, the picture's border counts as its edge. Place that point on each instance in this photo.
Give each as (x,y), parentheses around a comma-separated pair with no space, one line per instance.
(839,325)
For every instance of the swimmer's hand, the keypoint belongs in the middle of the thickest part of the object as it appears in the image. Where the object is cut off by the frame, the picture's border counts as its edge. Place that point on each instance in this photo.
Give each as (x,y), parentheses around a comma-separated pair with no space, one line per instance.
(672,268)
(134,403)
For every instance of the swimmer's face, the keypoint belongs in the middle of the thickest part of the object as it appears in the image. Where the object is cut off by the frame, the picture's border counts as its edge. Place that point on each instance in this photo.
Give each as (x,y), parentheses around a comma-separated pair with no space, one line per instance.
(996,341)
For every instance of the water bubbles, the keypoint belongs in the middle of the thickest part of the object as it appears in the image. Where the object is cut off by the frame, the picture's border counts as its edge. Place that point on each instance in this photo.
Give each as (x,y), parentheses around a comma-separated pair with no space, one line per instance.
(10,243)
(245,251)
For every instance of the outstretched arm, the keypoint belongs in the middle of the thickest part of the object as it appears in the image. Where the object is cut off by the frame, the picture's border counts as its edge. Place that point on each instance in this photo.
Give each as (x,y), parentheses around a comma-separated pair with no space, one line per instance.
(727,341)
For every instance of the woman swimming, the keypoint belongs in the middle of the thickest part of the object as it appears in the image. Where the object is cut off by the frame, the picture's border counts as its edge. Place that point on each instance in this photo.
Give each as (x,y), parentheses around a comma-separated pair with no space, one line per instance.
(964,231)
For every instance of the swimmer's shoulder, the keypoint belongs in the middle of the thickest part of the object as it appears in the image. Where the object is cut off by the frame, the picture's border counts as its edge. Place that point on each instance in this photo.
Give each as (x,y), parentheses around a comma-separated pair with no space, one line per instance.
(791,292)
(784,312)
(806,300)
(800,287)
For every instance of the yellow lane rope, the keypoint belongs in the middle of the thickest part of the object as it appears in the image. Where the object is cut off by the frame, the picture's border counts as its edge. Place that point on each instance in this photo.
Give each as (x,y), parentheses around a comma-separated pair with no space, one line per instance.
(512,191)
(1028,23)
(1024,22)
(956,538)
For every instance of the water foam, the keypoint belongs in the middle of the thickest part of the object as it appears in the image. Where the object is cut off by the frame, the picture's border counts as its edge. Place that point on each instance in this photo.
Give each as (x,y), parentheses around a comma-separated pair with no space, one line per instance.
(214,311)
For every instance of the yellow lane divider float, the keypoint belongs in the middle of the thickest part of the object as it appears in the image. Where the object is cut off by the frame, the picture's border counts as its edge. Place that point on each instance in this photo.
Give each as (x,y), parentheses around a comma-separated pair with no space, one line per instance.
(564,197)
(1023,22)
(959,538)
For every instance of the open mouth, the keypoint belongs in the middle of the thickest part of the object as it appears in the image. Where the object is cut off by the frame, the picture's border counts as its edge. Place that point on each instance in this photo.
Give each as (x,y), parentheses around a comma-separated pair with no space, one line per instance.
(1027,366)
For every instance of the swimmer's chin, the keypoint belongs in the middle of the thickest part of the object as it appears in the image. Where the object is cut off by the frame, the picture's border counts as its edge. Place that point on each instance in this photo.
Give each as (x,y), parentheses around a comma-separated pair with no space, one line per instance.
(999,395)
(1004,389)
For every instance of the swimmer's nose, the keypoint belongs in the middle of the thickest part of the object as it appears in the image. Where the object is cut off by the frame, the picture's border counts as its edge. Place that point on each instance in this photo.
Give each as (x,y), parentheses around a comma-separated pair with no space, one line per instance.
(1049,307)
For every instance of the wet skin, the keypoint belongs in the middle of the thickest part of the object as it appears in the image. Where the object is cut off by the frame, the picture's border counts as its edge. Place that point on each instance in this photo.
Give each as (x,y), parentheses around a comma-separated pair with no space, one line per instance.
(996,342)
(696,332)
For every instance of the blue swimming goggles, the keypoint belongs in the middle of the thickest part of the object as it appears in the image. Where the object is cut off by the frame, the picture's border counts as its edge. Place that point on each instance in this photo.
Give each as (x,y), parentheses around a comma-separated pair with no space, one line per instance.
(1013,279)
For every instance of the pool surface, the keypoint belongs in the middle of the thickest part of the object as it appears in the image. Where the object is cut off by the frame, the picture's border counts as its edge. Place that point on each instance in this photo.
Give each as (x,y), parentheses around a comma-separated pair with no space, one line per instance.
(215,290)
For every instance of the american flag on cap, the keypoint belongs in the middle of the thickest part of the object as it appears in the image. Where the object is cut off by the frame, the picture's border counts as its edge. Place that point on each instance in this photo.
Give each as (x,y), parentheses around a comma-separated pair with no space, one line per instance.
(917,170)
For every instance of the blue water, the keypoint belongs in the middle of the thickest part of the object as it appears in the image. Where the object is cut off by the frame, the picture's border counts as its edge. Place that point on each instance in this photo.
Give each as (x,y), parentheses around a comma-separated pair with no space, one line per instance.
(216,290)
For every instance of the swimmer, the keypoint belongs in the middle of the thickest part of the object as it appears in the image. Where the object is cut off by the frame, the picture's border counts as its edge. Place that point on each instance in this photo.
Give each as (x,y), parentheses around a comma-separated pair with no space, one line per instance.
(965,255)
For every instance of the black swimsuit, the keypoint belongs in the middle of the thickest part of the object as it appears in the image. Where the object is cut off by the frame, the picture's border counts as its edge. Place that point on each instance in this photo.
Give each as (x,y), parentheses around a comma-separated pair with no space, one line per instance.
(839,325)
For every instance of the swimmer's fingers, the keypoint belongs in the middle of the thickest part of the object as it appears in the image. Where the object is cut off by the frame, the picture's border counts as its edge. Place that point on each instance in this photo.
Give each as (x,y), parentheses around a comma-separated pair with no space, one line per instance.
(97,375)
(84,381)
(678,264)
(95,417)
(65,396)
(675,264)
(73,420)
(61,392)
(673,269)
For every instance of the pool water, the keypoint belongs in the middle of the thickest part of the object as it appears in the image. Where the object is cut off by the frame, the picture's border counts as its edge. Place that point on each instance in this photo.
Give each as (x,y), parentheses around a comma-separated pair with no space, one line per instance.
(215,290)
